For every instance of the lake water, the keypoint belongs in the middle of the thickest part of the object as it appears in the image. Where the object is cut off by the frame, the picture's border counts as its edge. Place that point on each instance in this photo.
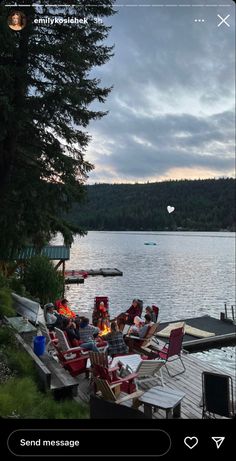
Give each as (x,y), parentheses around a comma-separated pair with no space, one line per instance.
(187,274)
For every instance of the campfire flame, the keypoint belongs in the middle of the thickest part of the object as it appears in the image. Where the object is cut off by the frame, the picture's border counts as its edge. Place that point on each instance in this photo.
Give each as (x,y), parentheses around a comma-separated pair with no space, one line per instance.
(105,331)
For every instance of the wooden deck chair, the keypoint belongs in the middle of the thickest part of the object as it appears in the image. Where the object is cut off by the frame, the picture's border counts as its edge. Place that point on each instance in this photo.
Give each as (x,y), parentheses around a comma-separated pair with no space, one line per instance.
(101,369)
(109,410)
(74,359)
(99,358)
(63,344)
(148,369)
(99,361)
(109,394)
(51,340)
(217,395)
(136,344)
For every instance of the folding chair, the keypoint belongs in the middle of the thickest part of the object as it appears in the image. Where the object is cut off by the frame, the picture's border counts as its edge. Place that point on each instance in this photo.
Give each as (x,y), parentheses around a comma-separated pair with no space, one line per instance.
(172,350)
(217,395)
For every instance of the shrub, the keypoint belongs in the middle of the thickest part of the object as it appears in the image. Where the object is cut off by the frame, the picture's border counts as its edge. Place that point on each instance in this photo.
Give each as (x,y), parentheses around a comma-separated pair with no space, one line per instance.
(3,281)
(6,307)
(17,286)
(42,280)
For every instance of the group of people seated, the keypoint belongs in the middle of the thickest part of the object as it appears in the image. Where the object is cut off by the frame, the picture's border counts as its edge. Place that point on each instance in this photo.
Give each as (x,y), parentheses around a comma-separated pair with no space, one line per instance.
(77,329)
(80,332)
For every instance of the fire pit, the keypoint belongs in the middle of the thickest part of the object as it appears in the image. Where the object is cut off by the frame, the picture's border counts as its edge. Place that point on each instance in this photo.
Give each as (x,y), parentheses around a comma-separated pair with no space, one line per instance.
(105,331)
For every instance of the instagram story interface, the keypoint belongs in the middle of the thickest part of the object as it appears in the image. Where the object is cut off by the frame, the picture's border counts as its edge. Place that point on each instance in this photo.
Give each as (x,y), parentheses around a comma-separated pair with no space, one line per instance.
(117,228)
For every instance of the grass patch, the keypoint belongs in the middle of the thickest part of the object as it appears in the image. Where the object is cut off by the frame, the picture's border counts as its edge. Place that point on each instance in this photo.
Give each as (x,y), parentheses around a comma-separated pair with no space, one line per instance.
(6,303)
(20,362)
(7,336)
(20,398)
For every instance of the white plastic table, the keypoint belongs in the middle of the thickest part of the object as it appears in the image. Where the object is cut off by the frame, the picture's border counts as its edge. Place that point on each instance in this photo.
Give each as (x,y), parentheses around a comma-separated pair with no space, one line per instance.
(132,361)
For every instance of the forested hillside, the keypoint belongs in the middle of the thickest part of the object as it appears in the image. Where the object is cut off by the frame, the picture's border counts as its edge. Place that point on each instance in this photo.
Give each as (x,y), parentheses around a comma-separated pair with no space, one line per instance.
(204,205)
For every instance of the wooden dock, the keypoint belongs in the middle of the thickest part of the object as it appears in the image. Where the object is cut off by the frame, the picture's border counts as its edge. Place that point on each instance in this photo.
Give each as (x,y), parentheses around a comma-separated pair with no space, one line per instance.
(189,382)
(224,333)
(58,380)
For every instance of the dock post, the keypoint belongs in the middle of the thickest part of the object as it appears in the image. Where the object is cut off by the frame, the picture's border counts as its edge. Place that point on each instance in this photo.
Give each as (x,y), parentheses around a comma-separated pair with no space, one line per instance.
(226,316)
(63,272)
(232,309)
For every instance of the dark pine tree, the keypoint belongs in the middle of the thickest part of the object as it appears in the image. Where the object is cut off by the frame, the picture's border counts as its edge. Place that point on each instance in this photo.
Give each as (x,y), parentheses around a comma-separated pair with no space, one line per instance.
(46,92)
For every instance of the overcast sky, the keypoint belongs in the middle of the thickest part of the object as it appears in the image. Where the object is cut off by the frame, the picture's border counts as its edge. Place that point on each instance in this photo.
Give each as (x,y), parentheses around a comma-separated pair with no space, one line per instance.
(171,111)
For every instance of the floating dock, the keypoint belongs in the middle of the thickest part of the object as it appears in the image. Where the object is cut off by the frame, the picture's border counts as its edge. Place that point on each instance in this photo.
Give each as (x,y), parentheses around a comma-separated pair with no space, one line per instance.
(224,333)
(73,279)
(78,276)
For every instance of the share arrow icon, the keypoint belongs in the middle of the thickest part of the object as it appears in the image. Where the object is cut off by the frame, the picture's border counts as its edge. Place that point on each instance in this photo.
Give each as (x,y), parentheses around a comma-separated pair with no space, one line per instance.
(218,441)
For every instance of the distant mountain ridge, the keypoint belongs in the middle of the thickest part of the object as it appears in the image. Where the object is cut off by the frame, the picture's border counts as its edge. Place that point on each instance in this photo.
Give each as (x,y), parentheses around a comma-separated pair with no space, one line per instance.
(200,205)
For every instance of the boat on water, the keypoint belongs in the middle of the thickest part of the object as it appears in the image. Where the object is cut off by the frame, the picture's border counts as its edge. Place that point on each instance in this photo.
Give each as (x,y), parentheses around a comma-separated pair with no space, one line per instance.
(149,243)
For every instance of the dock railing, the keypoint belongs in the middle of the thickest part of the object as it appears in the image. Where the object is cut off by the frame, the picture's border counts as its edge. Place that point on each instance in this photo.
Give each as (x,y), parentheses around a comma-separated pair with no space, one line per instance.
(229,313)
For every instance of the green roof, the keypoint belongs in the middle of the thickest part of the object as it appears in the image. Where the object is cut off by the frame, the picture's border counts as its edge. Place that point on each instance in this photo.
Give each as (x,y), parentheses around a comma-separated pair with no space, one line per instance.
(57,252)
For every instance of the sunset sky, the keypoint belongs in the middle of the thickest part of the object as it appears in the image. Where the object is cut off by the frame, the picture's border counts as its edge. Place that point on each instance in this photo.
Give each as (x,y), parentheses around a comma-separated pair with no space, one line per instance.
(171,110)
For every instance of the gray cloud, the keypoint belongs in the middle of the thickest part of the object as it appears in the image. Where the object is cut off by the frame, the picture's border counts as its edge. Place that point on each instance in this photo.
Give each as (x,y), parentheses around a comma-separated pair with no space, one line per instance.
(172,102)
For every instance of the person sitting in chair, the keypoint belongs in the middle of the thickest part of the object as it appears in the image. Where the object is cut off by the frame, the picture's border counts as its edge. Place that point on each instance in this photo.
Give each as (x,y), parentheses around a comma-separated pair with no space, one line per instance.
(116,344)
(52,318)
(134,329)
(128,317)
(70,328)
(75,335)
(87,334)
(102,317)
(142,331)
(149,310)
(64,309)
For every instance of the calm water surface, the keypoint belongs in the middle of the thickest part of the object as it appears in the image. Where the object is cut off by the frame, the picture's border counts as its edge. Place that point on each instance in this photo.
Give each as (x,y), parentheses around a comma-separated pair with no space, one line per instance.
(187,274)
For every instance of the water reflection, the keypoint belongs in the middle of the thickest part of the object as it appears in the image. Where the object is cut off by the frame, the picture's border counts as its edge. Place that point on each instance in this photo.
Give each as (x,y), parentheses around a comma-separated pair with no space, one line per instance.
(186,274)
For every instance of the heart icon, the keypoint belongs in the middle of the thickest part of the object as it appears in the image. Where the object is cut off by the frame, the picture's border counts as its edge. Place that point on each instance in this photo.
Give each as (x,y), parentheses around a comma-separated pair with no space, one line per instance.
(170,209)
(191,442)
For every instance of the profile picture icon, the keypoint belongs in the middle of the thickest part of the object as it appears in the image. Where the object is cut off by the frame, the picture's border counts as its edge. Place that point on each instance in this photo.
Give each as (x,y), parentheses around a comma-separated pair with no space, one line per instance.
(16,20)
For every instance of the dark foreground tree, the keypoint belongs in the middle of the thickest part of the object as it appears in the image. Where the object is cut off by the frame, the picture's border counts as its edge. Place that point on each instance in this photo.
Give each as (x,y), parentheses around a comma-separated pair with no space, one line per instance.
(46,92)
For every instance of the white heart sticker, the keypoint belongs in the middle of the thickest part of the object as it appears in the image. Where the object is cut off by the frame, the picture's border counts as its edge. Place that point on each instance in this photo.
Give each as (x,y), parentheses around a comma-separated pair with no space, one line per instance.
(191,442)
(170,209)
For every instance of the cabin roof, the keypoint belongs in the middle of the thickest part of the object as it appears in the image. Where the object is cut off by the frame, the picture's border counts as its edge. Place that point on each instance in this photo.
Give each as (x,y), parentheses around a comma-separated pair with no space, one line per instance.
(55,252)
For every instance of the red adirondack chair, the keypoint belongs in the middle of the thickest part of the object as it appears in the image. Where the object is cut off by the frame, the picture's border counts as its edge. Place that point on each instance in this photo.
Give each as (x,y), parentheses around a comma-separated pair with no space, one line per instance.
(102,369)
(96,313)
